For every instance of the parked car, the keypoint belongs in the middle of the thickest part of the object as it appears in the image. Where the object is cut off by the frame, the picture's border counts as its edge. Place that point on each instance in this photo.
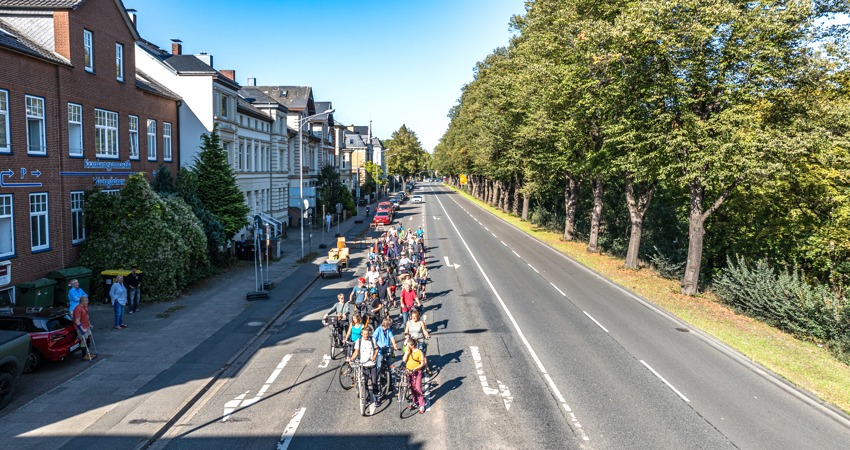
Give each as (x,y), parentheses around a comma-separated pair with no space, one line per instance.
(385,205)
(14,348)
(396,202)
(51,331)
(382,217)
(416,199)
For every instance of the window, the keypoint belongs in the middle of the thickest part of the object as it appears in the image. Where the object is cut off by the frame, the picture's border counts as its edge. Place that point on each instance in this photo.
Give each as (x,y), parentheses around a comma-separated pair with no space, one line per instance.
(151,140)
(7,229)
(75,129)
(88,44)
(39,232)
(110,191)
(78,229)
(222,106)
(166,141)
(105,133)
(5,142)
(239,152)
(35,126)
(134,137)
(119,61)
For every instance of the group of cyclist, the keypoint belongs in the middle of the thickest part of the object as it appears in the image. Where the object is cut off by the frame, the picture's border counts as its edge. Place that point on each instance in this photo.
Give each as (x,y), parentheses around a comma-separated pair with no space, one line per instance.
(396,258)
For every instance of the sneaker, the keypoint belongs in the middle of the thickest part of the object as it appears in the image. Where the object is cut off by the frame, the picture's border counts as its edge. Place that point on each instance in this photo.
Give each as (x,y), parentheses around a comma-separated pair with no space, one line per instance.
(377,404)
(123,325)
(421,410)
(130,312)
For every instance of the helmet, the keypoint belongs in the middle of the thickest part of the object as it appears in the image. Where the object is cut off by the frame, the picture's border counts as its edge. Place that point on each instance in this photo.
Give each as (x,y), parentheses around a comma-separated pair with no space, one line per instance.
(373,290)
(362,280)
(422,263)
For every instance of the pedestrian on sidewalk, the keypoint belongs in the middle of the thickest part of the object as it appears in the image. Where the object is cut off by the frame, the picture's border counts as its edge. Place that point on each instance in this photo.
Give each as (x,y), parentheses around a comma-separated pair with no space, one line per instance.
(74,294)
(134,289)
(328,220)
(83,326)
(118,294)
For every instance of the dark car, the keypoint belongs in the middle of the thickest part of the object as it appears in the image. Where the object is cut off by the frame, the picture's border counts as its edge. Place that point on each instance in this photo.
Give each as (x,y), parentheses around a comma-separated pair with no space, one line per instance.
(51,332)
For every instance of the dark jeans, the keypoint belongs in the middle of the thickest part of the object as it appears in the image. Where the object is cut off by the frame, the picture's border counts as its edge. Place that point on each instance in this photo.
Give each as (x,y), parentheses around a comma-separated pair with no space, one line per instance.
(133,296)
(371,374)
(119,314)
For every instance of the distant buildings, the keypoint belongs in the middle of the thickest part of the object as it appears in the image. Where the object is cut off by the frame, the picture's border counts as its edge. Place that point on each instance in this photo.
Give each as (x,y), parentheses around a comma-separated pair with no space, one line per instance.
(85,101)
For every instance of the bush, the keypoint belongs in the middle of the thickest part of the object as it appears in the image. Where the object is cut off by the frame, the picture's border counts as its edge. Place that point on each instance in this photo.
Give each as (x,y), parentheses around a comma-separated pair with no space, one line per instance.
(136,226)
(665,266)
(783,299)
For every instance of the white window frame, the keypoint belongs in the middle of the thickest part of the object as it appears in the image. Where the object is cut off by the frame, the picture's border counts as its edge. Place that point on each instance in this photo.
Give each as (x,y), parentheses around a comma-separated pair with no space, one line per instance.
(88,52)
(6,137)
(166,141)
(39,215)
(7,224)
(75,129)
(35,116)
(151,130)
(119,61)
(106,133)
(78,223)
(133,131)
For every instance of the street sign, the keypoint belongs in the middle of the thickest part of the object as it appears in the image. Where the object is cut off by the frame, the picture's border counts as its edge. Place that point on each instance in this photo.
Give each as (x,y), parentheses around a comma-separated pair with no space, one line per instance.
(463,179)
(339,208)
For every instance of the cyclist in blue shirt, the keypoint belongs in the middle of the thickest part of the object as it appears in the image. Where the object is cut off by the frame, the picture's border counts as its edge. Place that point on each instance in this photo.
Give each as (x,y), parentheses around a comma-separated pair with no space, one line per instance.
(384,338)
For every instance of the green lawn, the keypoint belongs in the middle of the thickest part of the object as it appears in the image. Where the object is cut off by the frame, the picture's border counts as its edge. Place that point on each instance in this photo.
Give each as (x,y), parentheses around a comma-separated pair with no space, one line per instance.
(802,363)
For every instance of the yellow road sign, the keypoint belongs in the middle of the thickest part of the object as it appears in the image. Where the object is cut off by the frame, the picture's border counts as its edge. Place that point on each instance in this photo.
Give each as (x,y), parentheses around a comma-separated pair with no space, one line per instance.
(462,178)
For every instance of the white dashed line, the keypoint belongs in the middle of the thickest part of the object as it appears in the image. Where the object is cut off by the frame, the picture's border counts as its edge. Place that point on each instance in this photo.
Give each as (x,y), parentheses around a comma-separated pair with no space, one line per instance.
(494,235)
(556,288)
(665,381)
(503,243)
(532,268)
(595,321)
(517,254)
(289,431)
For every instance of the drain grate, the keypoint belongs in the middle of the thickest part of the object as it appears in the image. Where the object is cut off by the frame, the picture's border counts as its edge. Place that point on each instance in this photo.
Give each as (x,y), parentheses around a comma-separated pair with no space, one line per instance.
(305,350)
(683,330)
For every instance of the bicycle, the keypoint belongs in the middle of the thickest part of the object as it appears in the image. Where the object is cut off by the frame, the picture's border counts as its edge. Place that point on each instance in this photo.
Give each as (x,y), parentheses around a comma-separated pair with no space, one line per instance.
(346,372)
(337,337)
(361,389)
(403,391)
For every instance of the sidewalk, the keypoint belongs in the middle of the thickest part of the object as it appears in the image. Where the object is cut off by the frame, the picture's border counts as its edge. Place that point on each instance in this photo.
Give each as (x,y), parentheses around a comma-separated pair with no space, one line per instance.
(146,373)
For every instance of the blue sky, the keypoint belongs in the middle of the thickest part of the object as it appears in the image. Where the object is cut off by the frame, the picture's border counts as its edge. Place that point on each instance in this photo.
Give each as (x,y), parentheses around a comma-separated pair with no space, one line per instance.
(394,62)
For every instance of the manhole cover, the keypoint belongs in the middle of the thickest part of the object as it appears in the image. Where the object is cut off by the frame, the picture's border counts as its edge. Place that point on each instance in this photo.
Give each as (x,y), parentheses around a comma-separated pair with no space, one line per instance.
(254,324)
(683,330)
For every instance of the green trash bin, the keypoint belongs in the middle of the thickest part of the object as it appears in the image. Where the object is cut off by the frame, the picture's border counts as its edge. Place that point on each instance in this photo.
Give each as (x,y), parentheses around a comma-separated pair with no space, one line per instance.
(35,293)
(64,276)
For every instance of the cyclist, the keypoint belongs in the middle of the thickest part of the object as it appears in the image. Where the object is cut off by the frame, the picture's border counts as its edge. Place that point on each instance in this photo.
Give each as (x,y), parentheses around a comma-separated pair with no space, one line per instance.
(419,233)
(340,310)
(421,278)
(408,301)
(355,328)
(415,329)
(415,361)
(372,274)
(374,307)
(366,348)
(385,339)
(382,288)
(392,282)
(358,293)
(404,263)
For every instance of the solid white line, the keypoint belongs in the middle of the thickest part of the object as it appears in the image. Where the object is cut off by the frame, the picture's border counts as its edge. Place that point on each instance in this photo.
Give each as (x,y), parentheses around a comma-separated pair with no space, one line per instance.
(503,243)
(517,254)
(555,391)
(532,268)
(494,235)
(665,381)
(556,288)
(485,228)
(595,321)
(289,431)
(479,368)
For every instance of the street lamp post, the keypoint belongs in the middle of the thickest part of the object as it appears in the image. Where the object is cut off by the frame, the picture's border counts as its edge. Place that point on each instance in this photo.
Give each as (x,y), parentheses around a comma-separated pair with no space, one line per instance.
(301,123)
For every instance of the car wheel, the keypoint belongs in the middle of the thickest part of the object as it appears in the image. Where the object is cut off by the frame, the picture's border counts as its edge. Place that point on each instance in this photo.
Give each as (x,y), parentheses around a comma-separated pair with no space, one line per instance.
(7,388)
(32,362)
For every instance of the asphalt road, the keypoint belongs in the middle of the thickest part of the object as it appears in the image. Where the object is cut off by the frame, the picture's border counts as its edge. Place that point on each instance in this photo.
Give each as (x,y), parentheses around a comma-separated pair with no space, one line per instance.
(535,352)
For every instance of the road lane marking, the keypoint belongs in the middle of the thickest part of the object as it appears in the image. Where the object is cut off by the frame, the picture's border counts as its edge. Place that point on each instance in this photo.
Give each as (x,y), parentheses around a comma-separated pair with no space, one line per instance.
(507,398)
(494,235)
(542,369)
(503,243)
(479,367)
(532,268)
(485,228)
(325,361)
(289,431)
(517,254)
(595,321)
(556,288)
(448,264)
(233,404)
(426,392)
(665,381)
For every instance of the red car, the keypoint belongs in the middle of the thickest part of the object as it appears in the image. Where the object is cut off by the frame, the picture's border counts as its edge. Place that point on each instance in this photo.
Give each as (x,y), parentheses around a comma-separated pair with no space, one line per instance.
(385,205)
(382,217)
(51,332)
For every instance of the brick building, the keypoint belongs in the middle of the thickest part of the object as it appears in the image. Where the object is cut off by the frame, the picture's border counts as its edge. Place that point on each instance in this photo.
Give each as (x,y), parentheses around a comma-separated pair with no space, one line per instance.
(75,113)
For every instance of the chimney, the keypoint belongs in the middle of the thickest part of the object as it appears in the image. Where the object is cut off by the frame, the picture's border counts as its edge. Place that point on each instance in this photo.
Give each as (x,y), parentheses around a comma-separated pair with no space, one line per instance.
(206,58)
(132,14)
(229,74)
(252,81)
(176,47)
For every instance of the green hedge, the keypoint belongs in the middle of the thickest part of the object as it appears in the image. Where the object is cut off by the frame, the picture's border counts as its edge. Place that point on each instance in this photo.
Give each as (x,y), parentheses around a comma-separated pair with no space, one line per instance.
(783,299)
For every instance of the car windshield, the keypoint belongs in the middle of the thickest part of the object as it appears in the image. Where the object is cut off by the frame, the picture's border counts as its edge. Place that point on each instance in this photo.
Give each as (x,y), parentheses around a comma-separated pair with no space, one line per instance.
(381,214)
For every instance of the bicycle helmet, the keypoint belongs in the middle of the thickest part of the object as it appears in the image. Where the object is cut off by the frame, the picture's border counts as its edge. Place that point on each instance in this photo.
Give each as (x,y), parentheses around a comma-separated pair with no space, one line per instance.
(422,263)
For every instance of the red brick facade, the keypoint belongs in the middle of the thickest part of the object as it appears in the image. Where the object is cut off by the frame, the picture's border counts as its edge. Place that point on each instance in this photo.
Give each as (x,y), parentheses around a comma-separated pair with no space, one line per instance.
(60,173)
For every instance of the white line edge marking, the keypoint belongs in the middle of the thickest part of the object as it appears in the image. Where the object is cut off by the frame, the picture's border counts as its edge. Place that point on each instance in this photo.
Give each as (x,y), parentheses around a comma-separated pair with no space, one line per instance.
(503,243)
(517,254)
(532,268)
(494,235)
(556,288)
(289,431)
(479,368)
(665,381)
(521,335)
(595,321)
(426,392)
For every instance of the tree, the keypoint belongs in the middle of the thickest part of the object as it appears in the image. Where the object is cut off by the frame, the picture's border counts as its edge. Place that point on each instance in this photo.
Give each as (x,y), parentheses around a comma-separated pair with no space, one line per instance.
(331,190)
(162,182)
(217,189)
(404,153)
(187,189)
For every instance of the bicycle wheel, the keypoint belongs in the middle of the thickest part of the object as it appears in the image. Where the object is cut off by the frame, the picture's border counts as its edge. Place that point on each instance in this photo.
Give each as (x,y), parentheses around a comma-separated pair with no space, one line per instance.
(403,404)
(346,375)
(361,392)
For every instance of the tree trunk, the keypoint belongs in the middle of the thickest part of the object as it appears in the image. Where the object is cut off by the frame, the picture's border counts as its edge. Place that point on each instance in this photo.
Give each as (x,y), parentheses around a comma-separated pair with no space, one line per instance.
(570,205)
(637,209)
(526,202)
(596,215)
(494,194)
(506,193)
(517,193)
